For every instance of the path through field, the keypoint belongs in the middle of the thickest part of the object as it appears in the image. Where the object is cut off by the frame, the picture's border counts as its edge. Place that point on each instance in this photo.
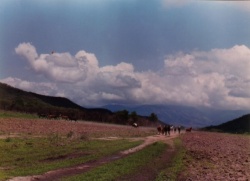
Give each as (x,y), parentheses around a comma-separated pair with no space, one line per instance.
(57,174)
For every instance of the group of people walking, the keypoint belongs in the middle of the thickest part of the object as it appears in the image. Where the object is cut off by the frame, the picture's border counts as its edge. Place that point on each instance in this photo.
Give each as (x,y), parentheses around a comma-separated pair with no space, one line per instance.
(166,129)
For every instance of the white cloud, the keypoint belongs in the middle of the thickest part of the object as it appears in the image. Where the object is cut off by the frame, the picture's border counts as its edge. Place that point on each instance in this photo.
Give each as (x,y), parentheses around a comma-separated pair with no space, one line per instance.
(216,78)
(43,88)
(27,50)
(217,74)
(120,76)
(58,67)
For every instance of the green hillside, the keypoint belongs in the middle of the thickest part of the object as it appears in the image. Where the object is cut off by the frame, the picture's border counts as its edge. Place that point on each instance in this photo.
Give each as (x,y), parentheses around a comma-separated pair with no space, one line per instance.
(13,99)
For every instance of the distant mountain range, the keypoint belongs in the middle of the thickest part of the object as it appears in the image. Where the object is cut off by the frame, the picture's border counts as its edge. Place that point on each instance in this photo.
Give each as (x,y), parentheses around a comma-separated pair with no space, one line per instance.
(18,100)
(183,115)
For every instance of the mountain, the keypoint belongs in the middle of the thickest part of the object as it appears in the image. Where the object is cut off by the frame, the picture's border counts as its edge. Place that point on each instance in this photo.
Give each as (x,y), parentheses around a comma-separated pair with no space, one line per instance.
(18,100)
(239,125)
(13,99)
(183,115)
(219,116)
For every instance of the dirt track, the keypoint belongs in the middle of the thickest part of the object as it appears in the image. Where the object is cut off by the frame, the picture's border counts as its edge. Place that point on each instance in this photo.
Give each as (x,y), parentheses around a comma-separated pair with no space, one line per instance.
(57,174)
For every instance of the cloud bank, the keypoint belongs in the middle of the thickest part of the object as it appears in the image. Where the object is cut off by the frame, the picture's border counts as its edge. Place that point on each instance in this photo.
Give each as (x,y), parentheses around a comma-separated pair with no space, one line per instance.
(216,78)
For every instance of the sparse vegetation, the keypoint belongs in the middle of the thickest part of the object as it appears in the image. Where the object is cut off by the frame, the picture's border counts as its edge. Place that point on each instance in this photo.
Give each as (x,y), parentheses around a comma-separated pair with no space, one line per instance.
(8,139)
(70,134)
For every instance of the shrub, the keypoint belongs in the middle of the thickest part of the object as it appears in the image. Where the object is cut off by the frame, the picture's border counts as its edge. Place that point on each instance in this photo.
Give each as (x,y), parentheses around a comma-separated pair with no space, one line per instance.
(70,134)
(8,139)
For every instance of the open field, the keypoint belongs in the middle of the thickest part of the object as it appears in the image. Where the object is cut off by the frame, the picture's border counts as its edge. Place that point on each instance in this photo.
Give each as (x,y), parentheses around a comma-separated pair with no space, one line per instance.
(32,147)
(38,127)
(216,156)
(41,149)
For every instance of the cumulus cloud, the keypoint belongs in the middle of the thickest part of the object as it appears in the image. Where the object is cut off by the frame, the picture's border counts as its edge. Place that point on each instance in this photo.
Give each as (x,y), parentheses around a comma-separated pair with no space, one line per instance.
(215,78)
(43,88)
(59,67)
(80,77)
(221,76)
(121,75)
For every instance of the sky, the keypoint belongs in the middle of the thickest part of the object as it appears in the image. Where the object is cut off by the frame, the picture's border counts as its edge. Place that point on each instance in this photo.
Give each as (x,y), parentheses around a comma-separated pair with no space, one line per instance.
(132,52)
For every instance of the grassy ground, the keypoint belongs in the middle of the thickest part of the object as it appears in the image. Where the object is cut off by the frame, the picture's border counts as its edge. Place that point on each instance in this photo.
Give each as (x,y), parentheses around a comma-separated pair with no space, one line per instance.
(31,156)
(122,167)
(11,114)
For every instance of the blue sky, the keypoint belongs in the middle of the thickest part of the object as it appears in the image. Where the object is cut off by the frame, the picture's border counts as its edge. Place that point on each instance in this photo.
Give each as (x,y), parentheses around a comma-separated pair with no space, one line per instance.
(129,51)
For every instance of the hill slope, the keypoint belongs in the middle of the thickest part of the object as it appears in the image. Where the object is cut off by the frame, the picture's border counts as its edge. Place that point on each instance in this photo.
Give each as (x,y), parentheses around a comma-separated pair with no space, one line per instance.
(18,100)
(239,125)
(14,99)
(11,96)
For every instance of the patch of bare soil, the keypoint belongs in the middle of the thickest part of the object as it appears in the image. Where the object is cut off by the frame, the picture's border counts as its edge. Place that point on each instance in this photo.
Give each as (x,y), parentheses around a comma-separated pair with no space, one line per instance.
(216,156)
(150,140)
(62,157)
(148,171)
(13,135)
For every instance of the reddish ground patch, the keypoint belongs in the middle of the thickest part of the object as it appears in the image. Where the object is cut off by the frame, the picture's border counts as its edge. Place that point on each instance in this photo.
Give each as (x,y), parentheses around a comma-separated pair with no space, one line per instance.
(216,156)
(62,127)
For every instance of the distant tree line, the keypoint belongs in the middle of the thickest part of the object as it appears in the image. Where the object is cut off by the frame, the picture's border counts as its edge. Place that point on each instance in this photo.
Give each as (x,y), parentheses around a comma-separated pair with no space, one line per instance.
(98,115)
